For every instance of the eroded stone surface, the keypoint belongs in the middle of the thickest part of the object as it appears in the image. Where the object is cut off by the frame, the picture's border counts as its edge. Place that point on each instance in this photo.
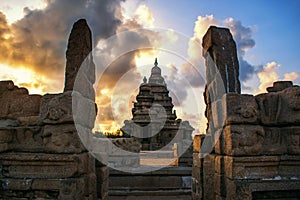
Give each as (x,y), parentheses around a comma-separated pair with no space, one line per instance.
(57,108)
(16,102)
(79,48)
(241,140)
(42,156)
(280,108)
(62,139)
(256,155)
(219,49)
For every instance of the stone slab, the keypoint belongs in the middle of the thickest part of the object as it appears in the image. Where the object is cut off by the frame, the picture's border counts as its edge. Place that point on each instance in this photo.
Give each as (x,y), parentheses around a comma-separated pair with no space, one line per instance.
(62,139)
(41,165)
(258,167)
(238,140)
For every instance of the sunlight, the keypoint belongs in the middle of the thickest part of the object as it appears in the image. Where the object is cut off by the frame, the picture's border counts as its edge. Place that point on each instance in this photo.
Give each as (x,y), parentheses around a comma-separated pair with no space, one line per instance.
(24,77)
(145,16)
(104,91)
(14,9)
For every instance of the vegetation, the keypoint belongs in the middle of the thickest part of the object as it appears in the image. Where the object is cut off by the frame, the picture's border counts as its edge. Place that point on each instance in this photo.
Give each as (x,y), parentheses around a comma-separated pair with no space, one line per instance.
(110,134)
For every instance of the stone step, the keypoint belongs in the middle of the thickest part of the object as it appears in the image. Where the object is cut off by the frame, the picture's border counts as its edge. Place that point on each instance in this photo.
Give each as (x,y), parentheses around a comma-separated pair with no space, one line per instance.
(182,197)
(174,192)
(167,182)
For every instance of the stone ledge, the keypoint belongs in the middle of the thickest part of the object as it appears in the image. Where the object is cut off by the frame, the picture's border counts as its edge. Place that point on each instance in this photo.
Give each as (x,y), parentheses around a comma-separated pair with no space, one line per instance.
(258,167)
(39,165)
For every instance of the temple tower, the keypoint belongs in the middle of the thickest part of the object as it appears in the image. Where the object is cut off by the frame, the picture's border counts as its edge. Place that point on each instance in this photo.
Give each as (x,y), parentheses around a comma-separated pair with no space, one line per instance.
(153,119)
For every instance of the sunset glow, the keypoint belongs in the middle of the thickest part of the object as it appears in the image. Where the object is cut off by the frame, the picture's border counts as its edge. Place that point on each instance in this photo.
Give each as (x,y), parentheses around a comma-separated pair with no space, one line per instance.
(24,77)
(34,36)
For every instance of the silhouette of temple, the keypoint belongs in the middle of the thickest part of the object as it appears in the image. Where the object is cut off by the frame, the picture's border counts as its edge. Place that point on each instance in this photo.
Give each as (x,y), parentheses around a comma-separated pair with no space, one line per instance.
(154,121)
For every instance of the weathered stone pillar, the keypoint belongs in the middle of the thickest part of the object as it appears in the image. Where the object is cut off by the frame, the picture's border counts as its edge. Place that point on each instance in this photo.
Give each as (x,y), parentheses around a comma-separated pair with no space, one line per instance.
(219,50)
(256,150)
(222,69)
(79,49)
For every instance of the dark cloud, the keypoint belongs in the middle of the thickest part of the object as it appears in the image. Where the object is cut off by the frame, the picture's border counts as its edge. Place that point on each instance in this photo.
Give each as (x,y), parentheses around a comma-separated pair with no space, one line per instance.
(244,41)
(39,39)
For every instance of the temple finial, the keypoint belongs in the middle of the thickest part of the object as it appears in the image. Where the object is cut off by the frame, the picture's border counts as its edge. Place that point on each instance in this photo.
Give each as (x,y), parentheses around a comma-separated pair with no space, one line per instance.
(155,63)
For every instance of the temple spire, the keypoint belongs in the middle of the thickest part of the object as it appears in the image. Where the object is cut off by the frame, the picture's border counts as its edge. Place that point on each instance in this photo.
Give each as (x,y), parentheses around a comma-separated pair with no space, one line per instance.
(155,63)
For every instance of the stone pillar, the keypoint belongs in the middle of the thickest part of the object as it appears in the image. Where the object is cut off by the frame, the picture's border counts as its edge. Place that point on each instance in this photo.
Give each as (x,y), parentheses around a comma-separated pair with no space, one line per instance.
(256,138)
(78,51)
(42,156)
(219,51)
(222,69)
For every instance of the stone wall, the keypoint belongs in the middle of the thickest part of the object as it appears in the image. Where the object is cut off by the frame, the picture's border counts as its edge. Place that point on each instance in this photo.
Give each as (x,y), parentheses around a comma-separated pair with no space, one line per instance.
(257,144)
(41,154)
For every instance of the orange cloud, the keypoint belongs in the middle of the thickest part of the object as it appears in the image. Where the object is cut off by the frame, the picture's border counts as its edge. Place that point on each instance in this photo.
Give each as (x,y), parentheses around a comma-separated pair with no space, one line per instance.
(292,76)
(269,75)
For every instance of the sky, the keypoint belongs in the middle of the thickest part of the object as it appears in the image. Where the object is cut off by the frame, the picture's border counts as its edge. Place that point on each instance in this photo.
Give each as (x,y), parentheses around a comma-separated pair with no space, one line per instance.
(34,34)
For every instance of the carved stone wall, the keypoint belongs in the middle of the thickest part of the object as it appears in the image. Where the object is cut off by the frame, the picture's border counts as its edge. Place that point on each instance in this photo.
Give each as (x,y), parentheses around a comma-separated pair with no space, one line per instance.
(257,147)
(41,154)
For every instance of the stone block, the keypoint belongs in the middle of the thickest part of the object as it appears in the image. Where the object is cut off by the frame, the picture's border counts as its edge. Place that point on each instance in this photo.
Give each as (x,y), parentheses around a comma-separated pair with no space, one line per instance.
(124,161)
(258,167)
(275,141)
(241,140)
(208,176)
(16,102)
(280,85)
(280,108)
(215,90)
(197,142)
(102,173)
(83,85)
(196,160)
(29,121)
(220,184)
(39,165)
(284,140)
(262,189)
(197,173)
(22,139)
(196,189)
(102,189)
(84,110)
(218,116)
(57,108)
(6,137)
(289,167)
(8,123)
(27,139)
(62,139)
(290,106)
(234,109)
(293,142)
(240,109)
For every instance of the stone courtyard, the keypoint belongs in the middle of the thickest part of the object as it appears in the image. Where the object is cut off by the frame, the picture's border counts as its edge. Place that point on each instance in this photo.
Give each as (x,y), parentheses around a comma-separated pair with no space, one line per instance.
(251,149)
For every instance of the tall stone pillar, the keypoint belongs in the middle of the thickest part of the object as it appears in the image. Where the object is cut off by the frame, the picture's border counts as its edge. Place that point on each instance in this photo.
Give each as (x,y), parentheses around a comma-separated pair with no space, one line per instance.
(219,50)
(222,68)
(78,52)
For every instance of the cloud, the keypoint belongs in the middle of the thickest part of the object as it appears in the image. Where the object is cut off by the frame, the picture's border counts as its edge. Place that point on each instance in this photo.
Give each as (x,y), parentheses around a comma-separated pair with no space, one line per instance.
(267,76)
(244,41)
(38,40)
(293,76)
(121,76)
(144,16)
(242,36)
